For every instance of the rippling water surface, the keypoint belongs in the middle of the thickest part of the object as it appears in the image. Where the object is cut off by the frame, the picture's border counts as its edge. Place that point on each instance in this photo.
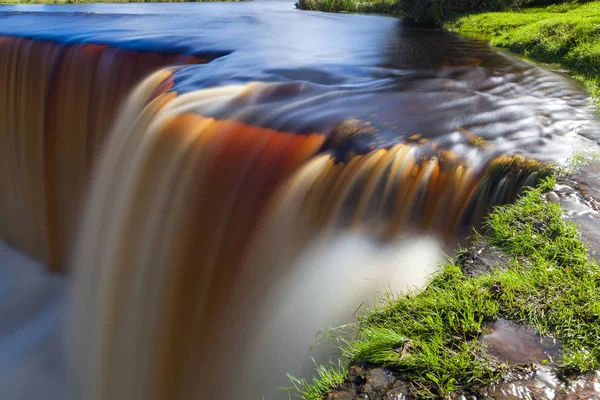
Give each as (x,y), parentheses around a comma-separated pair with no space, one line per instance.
(403,79)
(361,83)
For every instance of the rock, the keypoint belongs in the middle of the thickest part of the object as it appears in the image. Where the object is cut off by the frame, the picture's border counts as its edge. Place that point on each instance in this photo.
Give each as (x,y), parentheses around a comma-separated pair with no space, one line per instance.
(378,380)
(400,391)
(480,258)
(553,197)
(345,392)
(518,344)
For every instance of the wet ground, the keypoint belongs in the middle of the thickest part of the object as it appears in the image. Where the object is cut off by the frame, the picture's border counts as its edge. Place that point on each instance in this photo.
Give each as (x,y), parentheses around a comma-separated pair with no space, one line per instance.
(579,195)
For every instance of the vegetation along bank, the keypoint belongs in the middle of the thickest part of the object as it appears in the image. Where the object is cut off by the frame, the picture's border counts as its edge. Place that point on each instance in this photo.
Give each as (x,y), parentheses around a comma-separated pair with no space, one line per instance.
(567,35)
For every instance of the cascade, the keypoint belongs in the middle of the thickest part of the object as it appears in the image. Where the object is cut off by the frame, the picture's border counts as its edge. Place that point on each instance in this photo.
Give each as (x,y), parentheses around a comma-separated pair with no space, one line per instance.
(187,207)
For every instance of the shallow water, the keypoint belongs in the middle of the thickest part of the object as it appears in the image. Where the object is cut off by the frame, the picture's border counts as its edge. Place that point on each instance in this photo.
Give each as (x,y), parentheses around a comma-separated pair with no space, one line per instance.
(310,73)
(403,79)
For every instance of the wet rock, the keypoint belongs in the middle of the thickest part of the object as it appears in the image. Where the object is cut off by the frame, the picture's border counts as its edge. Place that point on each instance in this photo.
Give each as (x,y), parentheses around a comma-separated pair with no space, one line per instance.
(343,393)
(378,380)
(480,258)
(517,344)
(400,391)
(544,384)
(365,383)
(583,387)
(357,374)
(529,382)
(352,385)
(552,197)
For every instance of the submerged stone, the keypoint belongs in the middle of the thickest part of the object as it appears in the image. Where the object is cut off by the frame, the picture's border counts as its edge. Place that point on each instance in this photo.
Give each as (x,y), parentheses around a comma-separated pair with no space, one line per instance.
(518,344)
(480,259)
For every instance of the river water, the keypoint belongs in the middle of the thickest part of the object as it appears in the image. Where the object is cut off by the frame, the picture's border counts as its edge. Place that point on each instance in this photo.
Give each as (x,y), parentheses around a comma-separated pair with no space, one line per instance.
(424,109)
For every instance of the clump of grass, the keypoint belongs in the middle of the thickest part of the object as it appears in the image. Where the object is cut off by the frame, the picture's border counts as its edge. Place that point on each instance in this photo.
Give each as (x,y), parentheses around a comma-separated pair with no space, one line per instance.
(550,283)
(565,34)
(328,377)
(577,161)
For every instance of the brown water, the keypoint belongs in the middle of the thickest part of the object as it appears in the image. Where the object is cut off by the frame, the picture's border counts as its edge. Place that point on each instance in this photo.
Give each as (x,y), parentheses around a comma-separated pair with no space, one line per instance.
(236,207)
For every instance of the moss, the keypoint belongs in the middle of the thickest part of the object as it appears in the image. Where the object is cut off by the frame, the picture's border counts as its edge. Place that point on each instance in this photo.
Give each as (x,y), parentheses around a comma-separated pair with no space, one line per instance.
(566,35)
(549,282)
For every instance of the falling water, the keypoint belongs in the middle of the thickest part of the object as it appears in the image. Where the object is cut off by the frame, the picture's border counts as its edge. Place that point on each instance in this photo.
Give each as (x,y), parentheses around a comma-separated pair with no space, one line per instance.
(187,211)
(46,153)
(216,216)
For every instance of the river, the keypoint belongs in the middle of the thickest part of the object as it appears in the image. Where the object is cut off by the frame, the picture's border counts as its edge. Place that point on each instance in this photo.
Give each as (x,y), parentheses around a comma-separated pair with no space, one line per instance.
(291,166)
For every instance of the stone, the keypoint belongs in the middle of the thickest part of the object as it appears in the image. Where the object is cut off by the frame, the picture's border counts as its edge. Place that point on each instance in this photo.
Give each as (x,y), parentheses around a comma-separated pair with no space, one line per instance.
(378,380)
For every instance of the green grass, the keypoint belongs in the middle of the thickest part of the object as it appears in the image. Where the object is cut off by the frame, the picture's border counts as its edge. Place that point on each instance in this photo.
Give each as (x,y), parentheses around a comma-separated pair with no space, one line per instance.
(551,283)
(567,35)
(363,6)
(328,377)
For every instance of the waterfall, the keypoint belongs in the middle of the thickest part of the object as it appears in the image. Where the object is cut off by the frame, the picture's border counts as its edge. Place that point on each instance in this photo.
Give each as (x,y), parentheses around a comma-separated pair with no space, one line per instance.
(191,217)
(179,212)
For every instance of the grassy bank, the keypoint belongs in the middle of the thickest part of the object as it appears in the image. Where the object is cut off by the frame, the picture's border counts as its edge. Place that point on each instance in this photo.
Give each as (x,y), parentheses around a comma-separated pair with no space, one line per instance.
(431,336)
(424,11)
(567,35)
(362,6)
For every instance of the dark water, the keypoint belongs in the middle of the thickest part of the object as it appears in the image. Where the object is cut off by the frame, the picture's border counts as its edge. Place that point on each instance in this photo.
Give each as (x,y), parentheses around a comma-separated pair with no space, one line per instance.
(389,81)
(403,79)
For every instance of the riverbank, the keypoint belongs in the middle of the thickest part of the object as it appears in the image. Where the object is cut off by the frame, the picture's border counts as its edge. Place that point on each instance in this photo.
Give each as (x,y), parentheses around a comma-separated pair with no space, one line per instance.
(538,274)
(566,35)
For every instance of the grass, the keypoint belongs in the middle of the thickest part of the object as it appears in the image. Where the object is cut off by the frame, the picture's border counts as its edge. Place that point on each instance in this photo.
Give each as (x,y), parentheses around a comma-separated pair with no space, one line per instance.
(363,6)
(328,376)
(551,283)
(567,35)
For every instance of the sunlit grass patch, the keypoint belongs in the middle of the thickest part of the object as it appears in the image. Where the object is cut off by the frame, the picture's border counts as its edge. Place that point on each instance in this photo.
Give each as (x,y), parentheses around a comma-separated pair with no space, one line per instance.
(565,34)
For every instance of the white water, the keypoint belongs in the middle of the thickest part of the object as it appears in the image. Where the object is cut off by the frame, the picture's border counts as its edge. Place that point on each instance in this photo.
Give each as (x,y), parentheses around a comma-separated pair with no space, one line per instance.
(32,305)
(324,288)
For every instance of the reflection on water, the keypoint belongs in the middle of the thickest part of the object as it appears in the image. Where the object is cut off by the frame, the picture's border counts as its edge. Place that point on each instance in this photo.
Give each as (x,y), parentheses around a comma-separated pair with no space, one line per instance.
(514,343)
(197,253)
